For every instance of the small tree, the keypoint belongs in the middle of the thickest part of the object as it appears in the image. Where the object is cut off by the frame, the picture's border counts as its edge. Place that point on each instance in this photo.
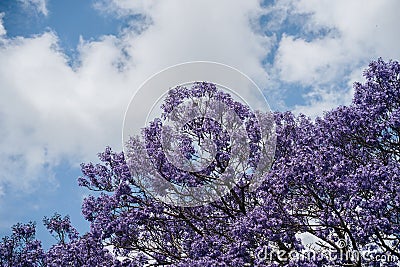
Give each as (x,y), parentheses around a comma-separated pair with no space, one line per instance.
(21,248)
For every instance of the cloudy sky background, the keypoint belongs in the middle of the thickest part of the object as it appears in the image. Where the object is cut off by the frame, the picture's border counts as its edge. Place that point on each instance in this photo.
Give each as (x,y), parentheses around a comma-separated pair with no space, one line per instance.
(69,68)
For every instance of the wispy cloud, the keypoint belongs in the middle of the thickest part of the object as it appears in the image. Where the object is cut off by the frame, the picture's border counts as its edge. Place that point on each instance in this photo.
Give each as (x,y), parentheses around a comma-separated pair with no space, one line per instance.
(38,6)
(2,29)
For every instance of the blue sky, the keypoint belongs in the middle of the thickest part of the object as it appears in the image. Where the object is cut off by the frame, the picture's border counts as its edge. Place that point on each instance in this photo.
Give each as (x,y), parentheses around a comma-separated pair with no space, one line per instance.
(69,68)
(69,19)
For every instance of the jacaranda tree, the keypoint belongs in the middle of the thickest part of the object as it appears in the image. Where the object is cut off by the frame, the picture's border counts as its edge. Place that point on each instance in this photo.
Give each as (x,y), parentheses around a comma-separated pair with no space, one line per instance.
(330,198)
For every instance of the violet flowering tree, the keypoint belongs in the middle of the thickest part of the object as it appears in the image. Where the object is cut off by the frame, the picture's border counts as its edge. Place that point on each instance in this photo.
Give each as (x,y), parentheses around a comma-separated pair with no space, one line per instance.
(142,227)
(337,178)
(334,181)
(21,248)
(333,189)
(72,249)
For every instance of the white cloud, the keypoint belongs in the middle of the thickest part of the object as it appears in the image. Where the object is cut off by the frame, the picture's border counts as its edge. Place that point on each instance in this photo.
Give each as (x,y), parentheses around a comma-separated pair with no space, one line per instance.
(202,30)
(39,6)
(2,29)
(50,111)
(309,63)
(347,35)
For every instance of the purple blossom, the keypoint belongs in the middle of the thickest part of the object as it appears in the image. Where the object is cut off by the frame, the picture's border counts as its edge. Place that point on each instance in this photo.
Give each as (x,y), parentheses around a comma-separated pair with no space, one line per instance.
(336,179)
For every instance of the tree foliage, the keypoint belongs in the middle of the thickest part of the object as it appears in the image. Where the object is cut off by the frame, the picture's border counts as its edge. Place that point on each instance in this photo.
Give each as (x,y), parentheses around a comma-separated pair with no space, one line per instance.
(334,185)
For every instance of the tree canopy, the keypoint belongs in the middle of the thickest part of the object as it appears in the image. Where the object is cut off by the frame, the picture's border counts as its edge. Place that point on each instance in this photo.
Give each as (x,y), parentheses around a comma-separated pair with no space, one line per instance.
(330,198)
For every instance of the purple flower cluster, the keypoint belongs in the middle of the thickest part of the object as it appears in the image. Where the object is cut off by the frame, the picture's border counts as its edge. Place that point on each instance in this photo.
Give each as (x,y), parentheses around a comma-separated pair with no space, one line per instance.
(195,129)
(21,248)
